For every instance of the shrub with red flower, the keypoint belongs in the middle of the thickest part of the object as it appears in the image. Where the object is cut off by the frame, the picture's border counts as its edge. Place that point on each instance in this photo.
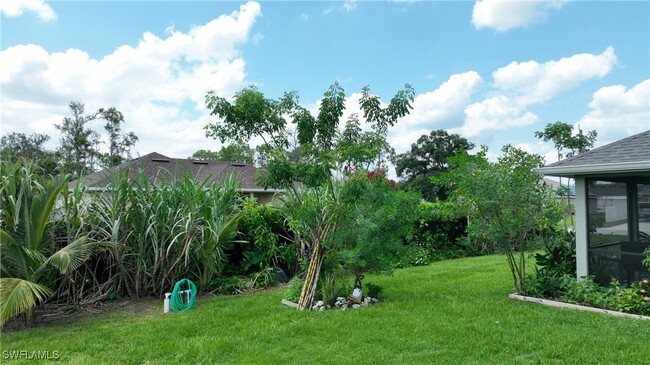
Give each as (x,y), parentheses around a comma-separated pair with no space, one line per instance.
(380,173)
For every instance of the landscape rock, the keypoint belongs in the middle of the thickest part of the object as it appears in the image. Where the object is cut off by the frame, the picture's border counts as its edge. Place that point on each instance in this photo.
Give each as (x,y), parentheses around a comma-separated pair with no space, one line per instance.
(344,303)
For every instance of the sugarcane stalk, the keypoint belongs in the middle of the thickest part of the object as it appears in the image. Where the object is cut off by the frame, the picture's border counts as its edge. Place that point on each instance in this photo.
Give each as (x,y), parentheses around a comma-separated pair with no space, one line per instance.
(313,272)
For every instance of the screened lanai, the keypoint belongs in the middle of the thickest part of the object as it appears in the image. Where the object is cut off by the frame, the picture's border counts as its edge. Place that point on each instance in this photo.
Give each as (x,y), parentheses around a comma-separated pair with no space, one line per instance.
(612,208)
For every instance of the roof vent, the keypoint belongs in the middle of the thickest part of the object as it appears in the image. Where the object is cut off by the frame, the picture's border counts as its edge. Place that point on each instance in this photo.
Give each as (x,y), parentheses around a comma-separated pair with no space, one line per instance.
(200,162)
(159,160)
(238,164)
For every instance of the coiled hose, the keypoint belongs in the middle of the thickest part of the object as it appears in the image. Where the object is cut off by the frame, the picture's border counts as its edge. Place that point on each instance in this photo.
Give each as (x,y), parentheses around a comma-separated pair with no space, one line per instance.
(176,302)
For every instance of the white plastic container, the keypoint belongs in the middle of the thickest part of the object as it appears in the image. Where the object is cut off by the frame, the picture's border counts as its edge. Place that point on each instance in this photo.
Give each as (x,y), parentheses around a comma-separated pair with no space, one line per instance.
(166,302)
(357,293)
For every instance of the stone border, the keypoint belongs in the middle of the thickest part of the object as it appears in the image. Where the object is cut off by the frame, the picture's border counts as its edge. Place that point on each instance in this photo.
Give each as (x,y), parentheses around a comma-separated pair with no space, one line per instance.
(289,303)
(553,303)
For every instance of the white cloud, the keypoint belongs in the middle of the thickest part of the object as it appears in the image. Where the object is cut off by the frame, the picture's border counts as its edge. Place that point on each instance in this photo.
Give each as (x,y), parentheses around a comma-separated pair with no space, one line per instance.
(350,5)
(303,17)
(14,8)
(495,113)
(436,109)
(521,84)
(617,112)
(503,15)
(536,82)
(543,149)
(347,7)
(159,85)
(444,105)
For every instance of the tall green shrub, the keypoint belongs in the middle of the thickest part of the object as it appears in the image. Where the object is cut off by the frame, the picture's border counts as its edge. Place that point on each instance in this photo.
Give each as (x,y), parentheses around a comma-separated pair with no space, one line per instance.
(439,234)
(375,220)
(508,209)
(264,239)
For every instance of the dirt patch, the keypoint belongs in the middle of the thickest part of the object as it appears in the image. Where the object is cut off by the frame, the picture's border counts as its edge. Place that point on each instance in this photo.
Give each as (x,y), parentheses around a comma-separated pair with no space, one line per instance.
(57,314)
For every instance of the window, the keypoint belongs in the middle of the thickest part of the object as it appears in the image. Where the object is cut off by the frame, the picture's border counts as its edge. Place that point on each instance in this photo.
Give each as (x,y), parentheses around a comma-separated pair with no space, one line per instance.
(618,219)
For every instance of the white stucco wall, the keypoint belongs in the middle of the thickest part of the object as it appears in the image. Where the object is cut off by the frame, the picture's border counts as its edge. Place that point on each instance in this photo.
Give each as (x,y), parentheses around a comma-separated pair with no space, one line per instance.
(582,258)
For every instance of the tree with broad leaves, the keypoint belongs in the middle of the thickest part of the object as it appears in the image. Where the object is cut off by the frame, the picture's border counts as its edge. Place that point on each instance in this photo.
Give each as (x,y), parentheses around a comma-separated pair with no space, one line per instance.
(15,146)
(356,149)
(236,152)
(564,140)
(427,158)
(250,114)
(507,209)
(375,219)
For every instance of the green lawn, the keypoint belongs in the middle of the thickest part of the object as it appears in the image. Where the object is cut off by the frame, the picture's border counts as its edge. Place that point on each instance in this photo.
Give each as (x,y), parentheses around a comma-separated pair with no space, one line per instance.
(451,312)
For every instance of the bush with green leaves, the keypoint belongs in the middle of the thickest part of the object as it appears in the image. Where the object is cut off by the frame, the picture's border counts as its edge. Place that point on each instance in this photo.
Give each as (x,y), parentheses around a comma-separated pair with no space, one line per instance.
(233,284)
(439,234)
(630,299)
(332,285)
(264,241)
(557,259)
(585,291)
(292,293)
(372,290)
(373,225)
(508,210)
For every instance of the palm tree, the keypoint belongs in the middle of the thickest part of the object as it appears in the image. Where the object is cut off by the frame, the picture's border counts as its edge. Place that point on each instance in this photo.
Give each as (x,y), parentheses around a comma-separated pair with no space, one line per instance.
(27,256)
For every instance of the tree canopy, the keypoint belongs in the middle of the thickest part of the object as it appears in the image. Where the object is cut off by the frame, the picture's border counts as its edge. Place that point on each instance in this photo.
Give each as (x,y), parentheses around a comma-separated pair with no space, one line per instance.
(235,152)
(564,140)
(429,157)
(79,143)
(251,114)
(508,210)
(119,145)
(15,146)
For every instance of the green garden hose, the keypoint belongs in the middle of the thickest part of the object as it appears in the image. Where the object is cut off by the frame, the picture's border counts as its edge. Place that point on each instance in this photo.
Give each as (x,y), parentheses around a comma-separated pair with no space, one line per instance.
(177,303)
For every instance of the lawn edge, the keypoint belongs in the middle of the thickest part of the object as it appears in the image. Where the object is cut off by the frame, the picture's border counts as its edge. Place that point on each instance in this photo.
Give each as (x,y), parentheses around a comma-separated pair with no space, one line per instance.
(553,303)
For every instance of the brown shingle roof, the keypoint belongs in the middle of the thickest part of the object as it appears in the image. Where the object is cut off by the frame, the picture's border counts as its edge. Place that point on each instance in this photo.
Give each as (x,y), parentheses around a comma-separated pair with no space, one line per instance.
(159,168)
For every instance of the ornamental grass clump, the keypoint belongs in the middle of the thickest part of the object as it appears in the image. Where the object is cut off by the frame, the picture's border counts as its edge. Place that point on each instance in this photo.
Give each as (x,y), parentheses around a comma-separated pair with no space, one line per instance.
(169,229)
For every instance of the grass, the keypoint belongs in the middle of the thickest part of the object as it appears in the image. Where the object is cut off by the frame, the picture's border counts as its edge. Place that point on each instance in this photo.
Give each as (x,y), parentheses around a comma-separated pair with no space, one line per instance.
(451,312)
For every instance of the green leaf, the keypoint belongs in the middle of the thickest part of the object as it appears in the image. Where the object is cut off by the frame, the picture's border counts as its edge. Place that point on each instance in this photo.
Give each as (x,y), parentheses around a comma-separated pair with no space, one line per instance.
(73,255)
(18,295)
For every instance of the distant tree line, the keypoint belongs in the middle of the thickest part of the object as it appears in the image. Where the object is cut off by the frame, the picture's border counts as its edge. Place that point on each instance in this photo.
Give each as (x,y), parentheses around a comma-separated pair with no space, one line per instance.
(79,150)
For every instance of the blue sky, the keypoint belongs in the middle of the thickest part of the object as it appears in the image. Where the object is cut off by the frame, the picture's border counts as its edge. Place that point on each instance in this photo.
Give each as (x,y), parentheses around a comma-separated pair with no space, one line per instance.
(492,71)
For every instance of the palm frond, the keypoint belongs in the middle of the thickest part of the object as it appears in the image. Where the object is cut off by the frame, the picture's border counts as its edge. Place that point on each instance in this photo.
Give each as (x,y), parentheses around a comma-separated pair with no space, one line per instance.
(40,211)
(18,295)
(5,238)
(73,255)
(20,261)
